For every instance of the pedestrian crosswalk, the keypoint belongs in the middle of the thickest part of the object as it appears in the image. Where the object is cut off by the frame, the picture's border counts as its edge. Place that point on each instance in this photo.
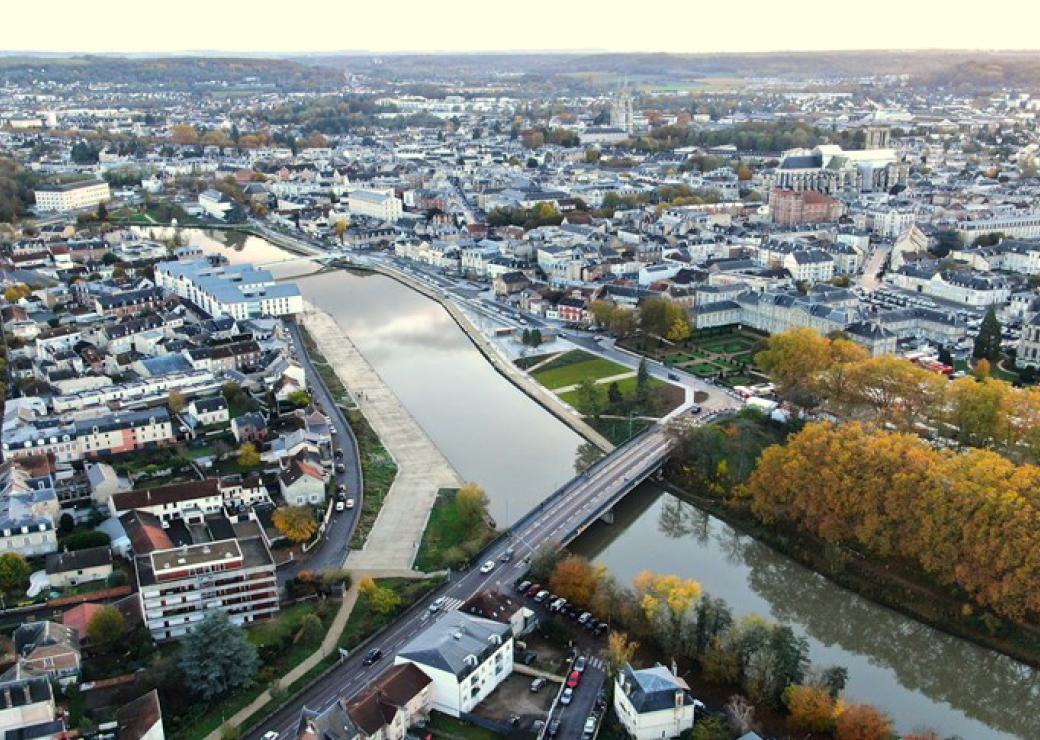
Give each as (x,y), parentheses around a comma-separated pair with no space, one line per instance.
(451,604)
(597,662)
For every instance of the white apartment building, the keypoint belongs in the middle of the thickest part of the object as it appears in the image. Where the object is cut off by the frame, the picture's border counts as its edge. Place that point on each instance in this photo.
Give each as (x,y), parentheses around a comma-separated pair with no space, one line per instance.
(381,204)
(72,196)
(1013,227)
(467,658)
(891,222)
(238,291)
(653,703)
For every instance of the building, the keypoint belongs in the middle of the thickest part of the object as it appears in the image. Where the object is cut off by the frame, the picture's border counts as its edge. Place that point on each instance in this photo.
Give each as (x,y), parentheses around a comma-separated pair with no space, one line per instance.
(71,568)
(793,208)
(141,719)
(72,196)
(179,585)
(653,703)
(238,291)
(191,502)
(47,650)
(1012,227)
(302,482)
(381,204)
(466,657)
(27,709)
(1028,354)
(216,204)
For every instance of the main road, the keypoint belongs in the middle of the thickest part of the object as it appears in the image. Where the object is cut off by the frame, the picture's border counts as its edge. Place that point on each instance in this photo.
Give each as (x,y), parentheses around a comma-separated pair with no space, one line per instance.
(555,521)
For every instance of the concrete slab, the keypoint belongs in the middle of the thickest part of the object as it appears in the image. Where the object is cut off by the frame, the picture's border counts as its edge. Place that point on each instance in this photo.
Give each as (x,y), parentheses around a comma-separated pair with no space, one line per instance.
(422,469)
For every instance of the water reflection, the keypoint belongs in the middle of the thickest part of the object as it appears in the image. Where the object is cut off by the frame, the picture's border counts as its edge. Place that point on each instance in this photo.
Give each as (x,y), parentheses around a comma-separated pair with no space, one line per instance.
(921,676)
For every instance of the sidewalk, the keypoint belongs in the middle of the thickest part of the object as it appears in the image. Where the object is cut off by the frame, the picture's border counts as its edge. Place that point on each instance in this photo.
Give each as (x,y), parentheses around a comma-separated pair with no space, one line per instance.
(328,646)
(421,468)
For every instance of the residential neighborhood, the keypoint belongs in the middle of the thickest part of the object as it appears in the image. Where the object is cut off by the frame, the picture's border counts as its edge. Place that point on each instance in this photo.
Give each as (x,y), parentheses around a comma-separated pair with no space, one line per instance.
(545,395)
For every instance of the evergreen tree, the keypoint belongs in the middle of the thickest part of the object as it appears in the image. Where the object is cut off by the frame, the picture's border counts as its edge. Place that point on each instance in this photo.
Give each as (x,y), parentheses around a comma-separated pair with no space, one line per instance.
(216,658)
(526,338)
(536,337)
(987,342)
(614,394)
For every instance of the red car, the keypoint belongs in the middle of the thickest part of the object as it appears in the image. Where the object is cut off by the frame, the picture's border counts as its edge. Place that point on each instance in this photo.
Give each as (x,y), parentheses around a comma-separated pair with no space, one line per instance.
(534,590)
(574,679)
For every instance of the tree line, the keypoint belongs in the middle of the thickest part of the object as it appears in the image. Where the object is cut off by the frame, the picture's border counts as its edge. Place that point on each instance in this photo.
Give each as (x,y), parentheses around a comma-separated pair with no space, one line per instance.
(837,375)
(768,662)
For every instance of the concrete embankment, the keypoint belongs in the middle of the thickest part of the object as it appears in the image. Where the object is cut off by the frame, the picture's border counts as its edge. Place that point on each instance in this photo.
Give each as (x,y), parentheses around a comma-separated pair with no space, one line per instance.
(421,468)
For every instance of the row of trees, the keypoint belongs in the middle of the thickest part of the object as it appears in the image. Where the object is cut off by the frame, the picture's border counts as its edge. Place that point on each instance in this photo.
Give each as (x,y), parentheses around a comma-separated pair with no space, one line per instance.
(968,519)
(838,375)
(655,317)
(768,661)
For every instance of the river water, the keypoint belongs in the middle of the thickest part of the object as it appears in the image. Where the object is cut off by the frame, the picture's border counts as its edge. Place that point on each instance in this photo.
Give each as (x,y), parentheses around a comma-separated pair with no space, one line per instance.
(495,435)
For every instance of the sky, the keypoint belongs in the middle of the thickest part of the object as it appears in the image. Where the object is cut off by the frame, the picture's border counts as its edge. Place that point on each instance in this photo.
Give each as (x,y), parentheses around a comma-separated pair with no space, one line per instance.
(682,26)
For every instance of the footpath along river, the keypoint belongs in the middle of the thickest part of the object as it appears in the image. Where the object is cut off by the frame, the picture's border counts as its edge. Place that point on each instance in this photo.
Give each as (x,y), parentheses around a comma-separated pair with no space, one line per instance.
(495,435)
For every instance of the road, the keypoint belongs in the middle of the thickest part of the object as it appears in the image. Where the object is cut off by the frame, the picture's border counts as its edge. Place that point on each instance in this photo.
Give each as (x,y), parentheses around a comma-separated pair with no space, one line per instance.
(566,510)
(869,279)
(332,550)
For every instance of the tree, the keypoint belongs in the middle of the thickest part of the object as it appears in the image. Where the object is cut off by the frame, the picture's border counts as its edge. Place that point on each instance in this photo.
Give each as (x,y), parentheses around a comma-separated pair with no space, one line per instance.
(300,399)
(184,134)
(620,651)
(987,341)
(248,457)
(311,630)
(586,454)
(102,212)
(740,714)
(67,523)
(575,579)
(296,522)
(536,337)
(543,560)
(383,600)
(794,360)
(667,602)
(14,572)
(862,722)
(176,401)
(341,228)
(472,503)
(590,402)
(216,658)
(642,375)
(106,627)
(614,395)
(525,338)
(810,709)
(679,330)
(710,728)
(657,316)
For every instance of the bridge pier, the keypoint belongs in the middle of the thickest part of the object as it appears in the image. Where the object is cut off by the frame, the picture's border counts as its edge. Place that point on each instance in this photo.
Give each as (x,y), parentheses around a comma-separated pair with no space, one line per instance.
(608,516)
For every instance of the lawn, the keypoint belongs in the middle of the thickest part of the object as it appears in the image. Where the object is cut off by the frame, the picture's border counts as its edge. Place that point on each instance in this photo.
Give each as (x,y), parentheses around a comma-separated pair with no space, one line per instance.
(364,621)
(443,727)
(448,539)
(627,386)
(618,431)
(378,471)
(591,368)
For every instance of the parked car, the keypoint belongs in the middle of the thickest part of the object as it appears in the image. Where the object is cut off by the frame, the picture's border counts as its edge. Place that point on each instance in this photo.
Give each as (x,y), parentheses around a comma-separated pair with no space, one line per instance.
(341,488)
(538,684)
(269,735)
(673,376)
(372,656)
(566,696)
(534,590)
(339,453)
(541,596)
(554,727)
(524,585)
(580,663)
(590,727)
(573,680)
(529,657)
(488,566)
(340,506)
(584,617)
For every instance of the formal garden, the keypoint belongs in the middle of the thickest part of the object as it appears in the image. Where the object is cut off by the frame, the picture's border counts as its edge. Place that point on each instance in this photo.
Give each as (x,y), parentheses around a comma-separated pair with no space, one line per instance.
(724,353)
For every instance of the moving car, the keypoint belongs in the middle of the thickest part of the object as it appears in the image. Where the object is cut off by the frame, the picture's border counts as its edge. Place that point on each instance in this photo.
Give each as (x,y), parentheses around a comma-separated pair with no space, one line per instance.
(269,735)
(573,680)
(488,566)
(554,727)
(590,727)
(340,468)
(579,664)
(340,506)
(349,503)
(436,605)
(566,696)
(372,656)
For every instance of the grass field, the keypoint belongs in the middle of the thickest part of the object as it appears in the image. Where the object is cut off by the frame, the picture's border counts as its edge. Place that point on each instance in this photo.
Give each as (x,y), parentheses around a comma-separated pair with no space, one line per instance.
(443,727)
(627,386)
(449,539)
(589,367)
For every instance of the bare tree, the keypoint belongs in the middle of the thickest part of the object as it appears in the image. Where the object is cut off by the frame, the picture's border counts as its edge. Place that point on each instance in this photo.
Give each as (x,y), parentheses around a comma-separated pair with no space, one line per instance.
(740,714)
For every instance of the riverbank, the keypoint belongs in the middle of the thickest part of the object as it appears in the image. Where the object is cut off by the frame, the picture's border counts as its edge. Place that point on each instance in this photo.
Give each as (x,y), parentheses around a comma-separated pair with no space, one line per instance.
(886,584)
(421,468)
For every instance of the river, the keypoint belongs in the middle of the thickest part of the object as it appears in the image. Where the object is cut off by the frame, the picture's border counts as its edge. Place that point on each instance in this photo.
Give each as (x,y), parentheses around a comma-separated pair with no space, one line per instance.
(495,435)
